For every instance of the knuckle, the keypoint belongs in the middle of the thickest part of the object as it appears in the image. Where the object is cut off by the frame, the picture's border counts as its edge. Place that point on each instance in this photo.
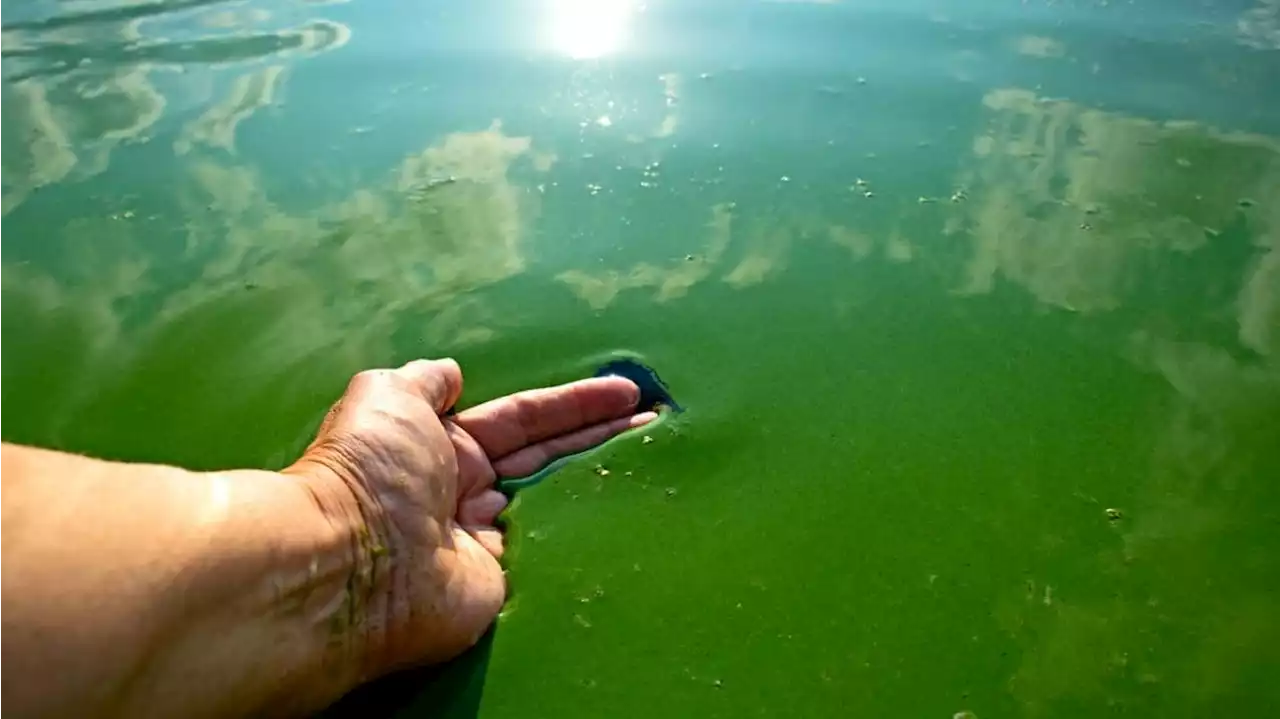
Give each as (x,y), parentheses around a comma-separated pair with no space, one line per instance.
(416,367)
(367,378)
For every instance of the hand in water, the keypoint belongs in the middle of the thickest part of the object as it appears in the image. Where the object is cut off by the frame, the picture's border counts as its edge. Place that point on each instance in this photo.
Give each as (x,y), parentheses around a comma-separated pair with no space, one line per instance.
(418,487)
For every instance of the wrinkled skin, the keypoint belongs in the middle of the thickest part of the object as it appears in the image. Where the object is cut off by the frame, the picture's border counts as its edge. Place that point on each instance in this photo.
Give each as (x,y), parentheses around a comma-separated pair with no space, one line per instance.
(419,487)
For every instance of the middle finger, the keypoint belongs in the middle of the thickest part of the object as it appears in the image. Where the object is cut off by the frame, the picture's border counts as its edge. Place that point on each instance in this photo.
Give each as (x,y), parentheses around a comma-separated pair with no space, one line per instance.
(510,423)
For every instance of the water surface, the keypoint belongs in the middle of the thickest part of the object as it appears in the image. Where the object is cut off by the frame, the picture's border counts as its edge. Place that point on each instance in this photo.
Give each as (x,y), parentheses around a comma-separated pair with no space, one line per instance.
(975,310)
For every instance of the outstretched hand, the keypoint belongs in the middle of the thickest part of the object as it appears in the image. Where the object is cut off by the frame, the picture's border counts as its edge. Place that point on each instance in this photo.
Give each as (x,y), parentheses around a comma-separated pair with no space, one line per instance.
(420,485)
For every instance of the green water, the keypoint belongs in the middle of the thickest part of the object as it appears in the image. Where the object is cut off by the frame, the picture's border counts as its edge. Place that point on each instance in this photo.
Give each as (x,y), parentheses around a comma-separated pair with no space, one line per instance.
(975,309)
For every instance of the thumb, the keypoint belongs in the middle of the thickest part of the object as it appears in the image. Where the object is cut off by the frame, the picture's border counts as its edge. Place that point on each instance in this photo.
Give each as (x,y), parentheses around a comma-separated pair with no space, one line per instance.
(438,381)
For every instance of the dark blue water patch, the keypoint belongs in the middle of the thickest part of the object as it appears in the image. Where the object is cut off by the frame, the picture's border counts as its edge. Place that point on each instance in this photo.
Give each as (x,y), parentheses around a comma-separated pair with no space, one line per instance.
(654,395)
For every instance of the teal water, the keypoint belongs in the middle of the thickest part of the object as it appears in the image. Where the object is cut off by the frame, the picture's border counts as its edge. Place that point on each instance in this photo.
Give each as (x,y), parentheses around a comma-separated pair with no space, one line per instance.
(975,310)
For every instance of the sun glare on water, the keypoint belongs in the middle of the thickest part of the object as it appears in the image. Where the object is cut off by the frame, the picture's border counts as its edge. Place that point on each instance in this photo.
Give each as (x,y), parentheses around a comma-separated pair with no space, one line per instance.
(587,29)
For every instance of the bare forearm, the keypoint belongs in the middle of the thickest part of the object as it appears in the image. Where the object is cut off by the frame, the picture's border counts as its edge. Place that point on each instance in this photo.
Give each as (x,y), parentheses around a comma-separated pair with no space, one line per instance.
(144,589)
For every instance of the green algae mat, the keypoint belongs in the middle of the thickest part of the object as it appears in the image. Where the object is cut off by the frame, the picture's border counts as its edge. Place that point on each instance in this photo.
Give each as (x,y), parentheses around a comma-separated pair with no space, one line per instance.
(974,310)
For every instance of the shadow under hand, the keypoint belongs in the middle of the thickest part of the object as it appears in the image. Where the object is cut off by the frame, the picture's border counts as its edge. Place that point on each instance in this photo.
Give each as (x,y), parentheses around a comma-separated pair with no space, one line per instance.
(450,690)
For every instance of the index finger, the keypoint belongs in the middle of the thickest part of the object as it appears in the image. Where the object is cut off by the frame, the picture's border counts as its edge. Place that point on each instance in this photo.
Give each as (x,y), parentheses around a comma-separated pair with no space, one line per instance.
(510,423)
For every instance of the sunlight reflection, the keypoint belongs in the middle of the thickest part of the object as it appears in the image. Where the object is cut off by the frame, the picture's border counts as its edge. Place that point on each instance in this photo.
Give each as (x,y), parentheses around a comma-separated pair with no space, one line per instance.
(218,505)
(585,29)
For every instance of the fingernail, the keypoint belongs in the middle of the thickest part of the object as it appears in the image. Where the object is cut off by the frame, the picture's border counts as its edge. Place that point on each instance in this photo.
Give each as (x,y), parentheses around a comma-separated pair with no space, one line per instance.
(643,418)
(628,400)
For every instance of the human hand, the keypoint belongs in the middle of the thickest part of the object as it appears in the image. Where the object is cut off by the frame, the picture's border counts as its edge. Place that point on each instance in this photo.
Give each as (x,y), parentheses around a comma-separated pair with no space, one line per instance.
(417,489)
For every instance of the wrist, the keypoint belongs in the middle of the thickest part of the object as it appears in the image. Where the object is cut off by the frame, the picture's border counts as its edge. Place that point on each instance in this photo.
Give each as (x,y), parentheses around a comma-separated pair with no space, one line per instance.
(350,524)
(282,606)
